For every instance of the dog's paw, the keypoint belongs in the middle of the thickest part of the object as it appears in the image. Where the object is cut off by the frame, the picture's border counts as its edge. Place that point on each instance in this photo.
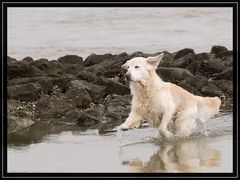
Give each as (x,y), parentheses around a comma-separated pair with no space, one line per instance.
(166,134)
(123,127)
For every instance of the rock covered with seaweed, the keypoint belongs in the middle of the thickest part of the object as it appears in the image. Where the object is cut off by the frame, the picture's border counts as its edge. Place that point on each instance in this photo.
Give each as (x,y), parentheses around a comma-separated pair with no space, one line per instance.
(91,93)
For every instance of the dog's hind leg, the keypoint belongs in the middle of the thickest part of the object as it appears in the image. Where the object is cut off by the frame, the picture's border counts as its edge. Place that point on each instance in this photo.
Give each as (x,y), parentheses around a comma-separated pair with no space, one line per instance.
(186,121)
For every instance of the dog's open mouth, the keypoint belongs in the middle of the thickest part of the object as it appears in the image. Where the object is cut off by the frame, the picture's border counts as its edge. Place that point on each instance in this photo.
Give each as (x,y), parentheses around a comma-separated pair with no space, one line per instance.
(126,80)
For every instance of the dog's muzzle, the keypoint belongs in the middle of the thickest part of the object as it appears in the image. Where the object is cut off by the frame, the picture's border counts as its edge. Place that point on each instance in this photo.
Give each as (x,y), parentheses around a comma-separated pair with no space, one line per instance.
(127,77)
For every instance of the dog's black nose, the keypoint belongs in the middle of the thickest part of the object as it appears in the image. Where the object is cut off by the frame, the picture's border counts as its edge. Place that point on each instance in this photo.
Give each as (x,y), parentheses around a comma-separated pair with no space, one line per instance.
(127,77)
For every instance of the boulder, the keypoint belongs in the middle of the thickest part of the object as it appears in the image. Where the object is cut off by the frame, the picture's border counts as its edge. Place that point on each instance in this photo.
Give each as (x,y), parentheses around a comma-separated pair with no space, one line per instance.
(210,90)
(112,86)
(24,80)
(11,60)
(49,67)
(204,55)
(204,86)
(227,61)
(167,60)
(71,59)
(96,92)
(72,69)
(224,54)
(50,108)
(96,59)
(197,81)
(24,92)
(225,86)
(184,61)
(85,119)
(79,97)
(92,116)
(173,74)
(18,69)
(182,53)
(20,115)
(27,59)
(189,88)
(63,83)
(65,109)
(46,83)
(211,66)
(105,68)
(138,54)
(107,65)
(226,74)
(195,67)
(88,76)
(218,49)
(16,124)
(118,107)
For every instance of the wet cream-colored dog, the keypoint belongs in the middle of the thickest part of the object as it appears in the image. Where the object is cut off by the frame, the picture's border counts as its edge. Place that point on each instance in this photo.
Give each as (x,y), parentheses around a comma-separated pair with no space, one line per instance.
(160,102)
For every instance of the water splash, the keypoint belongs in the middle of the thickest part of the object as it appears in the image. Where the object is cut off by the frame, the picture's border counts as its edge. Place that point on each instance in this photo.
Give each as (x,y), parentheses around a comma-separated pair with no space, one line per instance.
(217,126)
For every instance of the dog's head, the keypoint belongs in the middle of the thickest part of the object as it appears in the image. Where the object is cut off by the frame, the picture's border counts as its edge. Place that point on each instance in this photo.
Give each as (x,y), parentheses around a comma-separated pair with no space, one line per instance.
(139,68)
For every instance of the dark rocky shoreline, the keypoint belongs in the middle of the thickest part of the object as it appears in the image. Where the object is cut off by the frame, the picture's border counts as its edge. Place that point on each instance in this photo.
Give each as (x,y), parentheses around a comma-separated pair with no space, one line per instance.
(90,93)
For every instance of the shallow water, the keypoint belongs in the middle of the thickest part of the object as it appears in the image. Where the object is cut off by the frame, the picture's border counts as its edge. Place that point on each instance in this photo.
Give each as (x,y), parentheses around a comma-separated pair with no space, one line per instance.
(57,149)
(54,32)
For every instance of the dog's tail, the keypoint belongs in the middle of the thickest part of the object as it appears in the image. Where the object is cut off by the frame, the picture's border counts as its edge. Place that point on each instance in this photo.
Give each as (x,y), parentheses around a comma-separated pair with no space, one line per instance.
(207,107)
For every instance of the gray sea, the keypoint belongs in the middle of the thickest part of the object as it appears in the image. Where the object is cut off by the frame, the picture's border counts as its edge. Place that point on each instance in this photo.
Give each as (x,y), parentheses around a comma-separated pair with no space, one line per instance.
(54,32)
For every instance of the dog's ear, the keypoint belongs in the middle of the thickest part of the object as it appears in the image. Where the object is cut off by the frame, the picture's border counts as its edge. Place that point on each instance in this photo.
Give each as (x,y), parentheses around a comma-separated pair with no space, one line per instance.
(125,66)
(154,61)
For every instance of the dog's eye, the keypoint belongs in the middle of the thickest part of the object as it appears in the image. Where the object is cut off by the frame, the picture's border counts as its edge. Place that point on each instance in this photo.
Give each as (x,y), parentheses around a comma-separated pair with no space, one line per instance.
(128,67)
(136,67)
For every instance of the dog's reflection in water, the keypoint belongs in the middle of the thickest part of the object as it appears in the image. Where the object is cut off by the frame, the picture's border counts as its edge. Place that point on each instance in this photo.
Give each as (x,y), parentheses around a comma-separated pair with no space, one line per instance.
(179,157)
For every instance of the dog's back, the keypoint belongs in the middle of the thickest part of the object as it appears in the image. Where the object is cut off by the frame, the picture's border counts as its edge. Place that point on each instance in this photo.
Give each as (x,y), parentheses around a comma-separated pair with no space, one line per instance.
(207,107)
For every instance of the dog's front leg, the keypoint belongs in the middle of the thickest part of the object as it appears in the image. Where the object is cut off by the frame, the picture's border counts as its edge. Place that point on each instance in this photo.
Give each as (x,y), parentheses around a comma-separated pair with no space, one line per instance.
(163,126)
(133,121)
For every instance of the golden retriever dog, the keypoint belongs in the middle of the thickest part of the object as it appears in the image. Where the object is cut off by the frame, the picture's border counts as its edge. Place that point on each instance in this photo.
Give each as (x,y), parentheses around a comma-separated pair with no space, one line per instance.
(158,102)
(188,156)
